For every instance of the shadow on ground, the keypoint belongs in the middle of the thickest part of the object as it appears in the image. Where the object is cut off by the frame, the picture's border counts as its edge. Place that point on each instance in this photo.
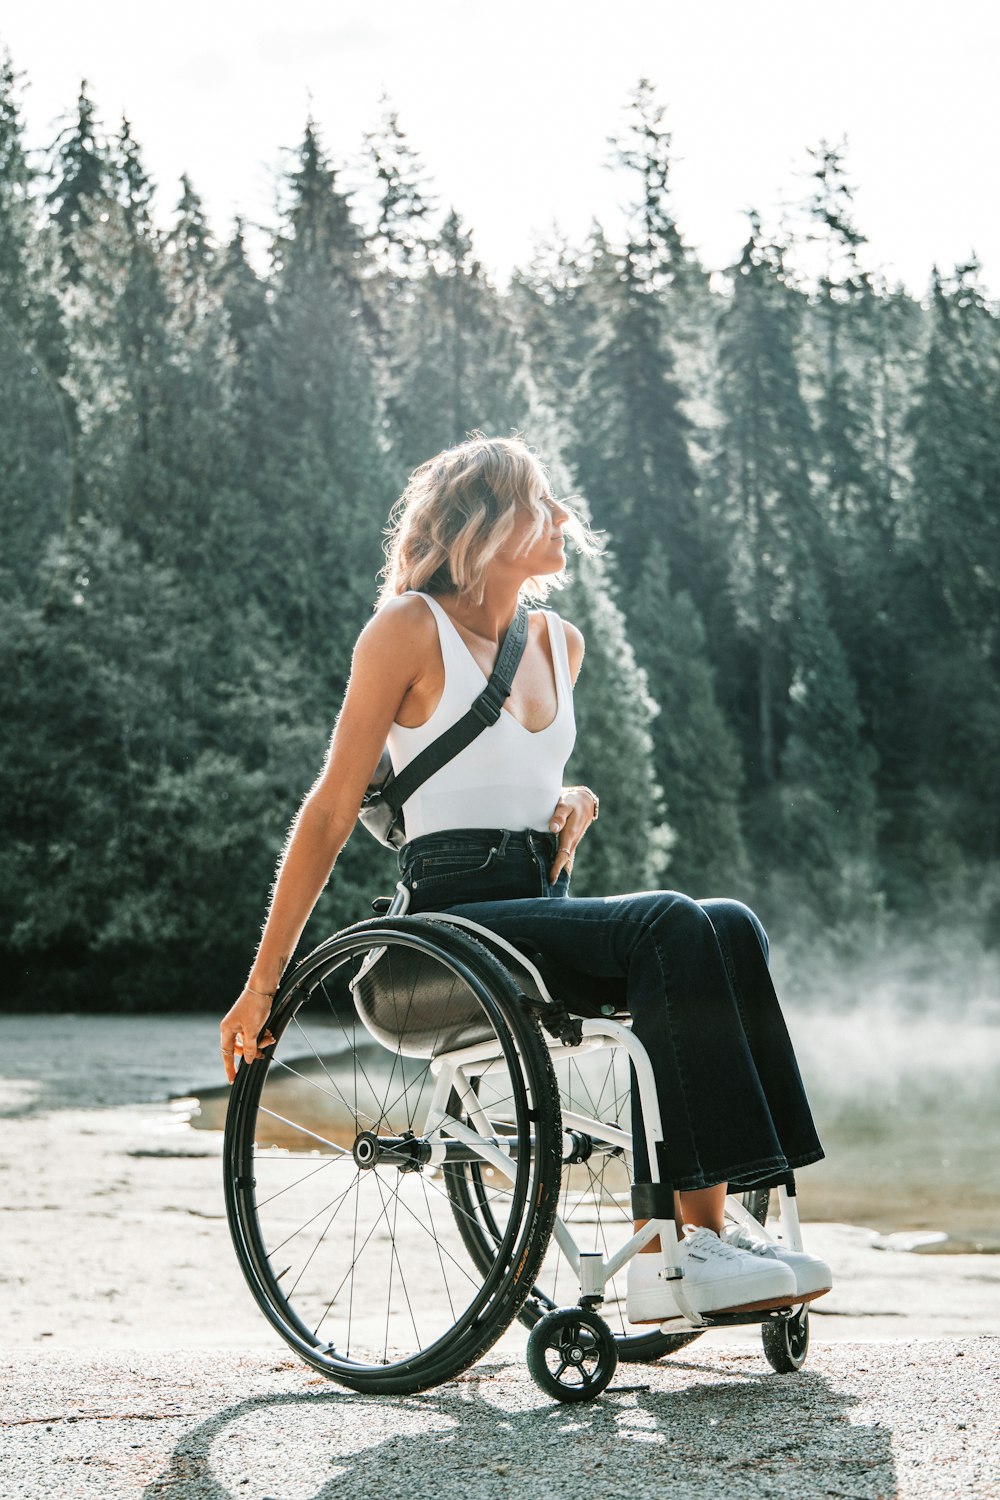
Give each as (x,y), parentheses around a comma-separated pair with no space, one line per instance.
(739,1434)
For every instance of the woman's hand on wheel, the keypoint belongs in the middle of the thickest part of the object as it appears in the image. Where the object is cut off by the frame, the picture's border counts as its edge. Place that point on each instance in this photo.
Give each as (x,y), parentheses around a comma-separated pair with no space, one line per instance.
(574,812)
(240,1028)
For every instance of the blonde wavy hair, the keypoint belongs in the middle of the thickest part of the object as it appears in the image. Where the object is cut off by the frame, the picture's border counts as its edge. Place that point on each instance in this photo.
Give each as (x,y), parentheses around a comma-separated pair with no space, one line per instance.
(458,510)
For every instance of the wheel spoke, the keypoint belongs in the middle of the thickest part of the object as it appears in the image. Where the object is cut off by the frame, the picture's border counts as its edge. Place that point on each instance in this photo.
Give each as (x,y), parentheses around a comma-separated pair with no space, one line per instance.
(308,1260)
(336,1095)
(273,1114)
(282,1243)
(263,1202)
(350,1039)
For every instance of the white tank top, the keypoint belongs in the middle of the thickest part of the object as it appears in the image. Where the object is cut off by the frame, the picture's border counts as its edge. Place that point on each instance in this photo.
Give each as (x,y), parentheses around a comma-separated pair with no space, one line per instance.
(508,777)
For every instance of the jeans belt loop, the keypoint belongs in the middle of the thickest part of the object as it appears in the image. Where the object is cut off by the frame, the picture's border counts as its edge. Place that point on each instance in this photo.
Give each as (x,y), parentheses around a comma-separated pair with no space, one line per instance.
(501,848)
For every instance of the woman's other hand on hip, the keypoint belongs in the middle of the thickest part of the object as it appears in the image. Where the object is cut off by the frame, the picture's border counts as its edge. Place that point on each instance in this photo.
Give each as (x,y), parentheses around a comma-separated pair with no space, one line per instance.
(576,809)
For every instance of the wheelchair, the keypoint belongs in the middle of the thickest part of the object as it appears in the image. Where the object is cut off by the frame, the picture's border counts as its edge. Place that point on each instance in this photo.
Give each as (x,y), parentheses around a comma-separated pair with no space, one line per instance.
(434,1146)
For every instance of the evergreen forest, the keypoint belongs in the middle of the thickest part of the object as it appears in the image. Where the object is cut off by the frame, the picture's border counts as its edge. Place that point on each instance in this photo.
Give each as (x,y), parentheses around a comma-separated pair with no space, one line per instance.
(791,691)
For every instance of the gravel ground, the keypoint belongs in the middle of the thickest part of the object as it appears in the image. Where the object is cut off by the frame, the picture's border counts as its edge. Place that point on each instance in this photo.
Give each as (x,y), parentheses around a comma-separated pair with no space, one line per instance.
(866,1421)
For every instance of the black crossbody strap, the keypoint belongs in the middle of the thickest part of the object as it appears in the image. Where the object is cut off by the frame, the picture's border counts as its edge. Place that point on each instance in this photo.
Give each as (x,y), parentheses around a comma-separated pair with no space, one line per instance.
(484,712)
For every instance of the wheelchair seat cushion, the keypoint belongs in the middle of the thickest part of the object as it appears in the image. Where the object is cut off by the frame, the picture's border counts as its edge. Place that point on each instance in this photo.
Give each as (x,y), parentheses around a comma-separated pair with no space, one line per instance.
(411,1000)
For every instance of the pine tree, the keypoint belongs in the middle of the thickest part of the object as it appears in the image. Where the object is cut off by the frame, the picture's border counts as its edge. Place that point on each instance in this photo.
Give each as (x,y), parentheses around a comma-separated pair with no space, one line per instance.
(400,238)
(632,450)
(312,429)
(189,244)
(556,318)
(200,415)
(134,188)
(457,362)
(119,350)
(843,409)
(944,714)
(244,297)
(659,258)
(828,793)
(695,755)
(36,424)
(955,461)
(81,171)
(762,478)
(853,356)
(628,849)
(16,180)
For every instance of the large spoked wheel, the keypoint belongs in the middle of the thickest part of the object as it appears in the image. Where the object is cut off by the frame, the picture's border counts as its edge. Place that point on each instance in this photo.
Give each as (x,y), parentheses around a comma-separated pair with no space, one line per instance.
(401,1051)
(595,1201)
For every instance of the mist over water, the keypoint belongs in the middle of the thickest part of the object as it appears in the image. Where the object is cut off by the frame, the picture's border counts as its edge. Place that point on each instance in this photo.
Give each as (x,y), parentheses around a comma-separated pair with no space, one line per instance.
(900,1054)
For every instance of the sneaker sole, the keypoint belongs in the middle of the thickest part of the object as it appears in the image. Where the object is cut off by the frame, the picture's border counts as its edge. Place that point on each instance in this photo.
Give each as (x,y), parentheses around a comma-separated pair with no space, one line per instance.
(766,1304)
(775,1305)
(801,1297)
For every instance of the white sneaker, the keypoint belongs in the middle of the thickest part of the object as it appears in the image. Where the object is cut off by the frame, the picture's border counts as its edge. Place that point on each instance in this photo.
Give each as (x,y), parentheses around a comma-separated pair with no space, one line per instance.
(813,1276)
(649,1296)
(718,1277)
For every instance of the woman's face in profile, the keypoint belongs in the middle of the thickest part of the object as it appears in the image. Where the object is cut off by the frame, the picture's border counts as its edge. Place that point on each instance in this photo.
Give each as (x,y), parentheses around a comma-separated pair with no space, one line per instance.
(547,552)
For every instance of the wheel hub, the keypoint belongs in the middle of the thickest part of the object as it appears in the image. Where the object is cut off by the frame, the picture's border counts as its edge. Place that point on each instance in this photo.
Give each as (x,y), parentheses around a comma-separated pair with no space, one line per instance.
(404,1152)
(366,1150)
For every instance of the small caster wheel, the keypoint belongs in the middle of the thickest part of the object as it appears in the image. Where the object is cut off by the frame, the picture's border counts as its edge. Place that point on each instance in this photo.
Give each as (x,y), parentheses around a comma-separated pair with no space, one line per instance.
(786,1341)
(572,1354)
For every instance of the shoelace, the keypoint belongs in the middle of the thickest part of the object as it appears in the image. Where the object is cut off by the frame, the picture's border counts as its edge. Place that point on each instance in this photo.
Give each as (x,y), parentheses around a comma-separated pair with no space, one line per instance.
(701,1243)
(737,1236)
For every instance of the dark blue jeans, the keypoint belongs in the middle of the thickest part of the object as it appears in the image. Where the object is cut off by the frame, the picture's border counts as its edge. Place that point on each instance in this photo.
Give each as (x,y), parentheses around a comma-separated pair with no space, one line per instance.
(692,974)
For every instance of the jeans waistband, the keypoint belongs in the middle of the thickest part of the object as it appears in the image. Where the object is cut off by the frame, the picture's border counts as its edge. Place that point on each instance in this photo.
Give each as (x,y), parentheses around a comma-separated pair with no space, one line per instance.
(473,839)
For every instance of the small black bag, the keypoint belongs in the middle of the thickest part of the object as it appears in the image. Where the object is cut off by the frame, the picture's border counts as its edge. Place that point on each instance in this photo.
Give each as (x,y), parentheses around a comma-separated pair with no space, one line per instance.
(381,809)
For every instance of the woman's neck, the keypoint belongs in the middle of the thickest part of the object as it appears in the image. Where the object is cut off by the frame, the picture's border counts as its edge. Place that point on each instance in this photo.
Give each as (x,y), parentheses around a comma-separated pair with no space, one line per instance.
(491,619)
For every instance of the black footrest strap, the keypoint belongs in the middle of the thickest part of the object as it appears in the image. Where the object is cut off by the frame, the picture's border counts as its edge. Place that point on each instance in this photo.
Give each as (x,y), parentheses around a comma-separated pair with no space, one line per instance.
(652,1200)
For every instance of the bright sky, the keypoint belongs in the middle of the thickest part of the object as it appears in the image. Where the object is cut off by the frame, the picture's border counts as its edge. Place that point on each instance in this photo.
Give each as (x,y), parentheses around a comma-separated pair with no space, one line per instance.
(510,104)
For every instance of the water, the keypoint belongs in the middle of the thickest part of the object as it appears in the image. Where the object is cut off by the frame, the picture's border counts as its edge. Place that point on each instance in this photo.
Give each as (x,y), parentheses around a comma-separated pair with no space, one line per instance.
(900,1056)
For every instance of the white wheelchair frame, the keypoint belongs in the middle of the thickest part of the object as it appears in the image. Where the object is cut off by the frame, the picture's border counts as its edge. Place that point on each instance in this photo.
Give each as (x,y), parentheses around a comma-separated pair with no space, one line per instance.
(591,1269)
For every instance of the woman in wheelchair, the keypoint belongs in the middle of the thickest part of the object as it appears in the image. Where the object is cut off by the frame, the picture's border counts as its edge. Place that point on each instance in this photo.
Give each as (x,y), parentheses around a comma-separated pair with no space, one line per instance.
(492,836)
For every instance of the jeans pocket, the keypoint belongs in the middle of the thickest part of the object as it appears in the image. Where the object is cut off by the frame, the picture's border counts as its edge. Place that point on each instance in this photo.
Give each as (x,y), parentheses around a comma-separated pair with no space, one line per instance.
(429,870)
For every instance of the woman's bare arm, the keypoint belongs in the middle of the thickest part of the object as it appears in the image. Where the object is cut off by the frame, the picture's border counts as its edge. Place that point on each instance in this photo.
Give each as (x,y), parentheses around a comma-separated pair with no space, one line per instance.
(389,655)
(574,648)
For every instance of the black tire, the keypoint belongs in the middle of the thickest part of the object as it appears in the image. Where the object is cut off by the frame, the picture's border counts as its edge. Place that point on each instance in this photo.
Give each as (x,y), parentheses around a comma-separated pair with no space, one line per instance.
(595,1203)
(786,1341)
(572,1354)
(342,1225)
